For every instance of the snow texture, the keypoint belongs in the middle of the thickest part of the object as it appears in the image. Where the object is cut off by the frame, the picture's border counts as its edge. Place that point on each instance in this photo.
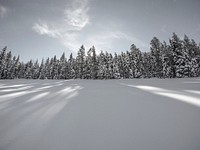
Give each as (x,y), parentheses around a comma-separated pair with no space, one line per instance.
(148,114)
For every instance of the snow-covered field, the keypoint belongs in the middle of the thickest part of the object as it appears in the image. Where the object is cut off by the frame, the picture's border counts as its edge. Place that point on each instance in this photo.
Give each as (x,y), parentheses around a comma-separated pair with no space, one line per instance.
(143,114)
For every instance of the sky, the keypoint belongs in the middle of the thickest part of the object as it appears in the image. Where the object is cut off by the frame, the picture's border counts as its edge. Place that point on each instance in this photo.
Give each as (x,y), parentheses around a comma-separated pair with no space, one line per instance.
(36,29)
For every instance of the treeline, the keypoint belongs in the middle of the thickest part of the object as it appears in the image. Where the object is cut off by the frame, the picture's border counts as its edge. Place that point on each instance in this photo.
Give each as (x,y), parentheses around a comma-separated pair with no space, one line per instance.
(177,59)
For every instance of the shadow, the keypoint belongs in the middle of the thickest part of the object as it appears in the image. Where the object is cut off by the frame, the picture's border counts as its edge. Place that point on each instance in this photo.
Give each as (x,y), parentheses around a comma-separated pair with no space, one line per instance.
(32,108)
(107,115)
(112,114)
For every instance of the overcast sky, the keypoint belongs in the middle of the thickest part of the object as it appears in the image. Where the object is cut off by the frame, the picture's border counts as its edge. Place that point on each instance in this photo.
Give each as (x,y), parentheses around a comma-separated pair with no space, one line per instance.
(44,28)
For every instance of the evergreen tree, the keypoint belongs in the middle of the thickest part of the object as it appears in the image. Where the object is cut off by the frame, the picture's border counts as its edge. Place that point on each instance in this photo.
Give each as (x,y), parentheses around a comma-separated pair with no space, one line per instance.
(8,66)
(116,72)
(147,65)
(92,60)
(2,62)
(136,62)
(15,68)
(47,69)
(102,66)
(62,67)
(178,61)
(28,70)
(72,64)
(35,70)
(156,57)
(21,73)
(179,58)
(167,61)
(42,70)
(81,62)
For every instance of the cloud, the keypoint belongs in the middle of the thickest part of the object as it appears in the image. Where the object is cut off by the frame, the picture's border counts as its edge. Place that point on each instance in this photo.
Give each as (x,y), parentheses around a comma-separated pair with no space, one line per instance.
(72,31)
(104,40)
(43,29)
(77,14)
(3,11)
(69,27)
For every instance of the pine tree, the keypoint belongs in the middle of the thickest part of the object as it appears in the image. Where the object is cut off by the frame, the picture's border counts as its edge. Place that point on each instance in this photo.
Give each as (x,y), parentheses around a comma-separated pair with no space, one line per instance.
(102,66)
(72,64)
(47,69)
(42,70)
(28,70)
(147,65)
(35,70)
(156,57)
(136,62)
(116,72)
(62,67)
(2,62)
(22,69)
(92,60)
(178,61)
(8,66)
(15,68)
(179,58)
(81,62)
(167,60)
(54,69)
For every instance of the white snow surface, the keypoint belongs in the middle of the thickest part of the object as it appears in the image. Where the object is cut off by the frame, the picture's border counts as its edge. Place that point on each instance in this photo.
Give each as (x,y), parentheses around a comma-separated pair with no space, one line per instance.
(137,114)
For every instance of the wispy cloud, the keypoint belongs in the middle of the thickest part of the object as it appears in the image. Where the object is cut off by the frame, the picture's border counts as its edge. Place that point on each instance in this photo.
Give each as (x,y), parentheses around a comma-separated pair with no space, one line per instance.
(72,30)
(68,29)
(44,29)
(105,39)
(76,15)
(3,11)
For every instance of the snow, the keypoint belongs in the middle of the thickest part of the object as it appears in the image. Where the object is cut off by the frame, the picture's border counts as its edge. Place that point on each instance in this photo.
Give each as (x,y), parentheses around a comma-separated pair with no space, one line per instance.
(137,114)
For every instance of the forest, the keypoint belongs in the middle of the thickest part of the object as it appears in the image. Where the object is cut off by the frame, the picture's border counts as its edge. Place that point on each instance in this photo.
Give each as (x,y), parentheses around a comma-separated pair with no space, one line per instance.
(178,58)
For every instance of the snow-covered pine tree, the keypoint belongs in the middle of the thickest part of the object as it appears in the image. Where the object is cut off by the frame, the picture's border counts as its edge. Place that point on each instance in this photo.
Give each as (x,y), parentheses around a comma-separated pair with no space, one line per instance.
(47,68)
(35,70)
(28,70)
(2,61)
(42,70)
(15,68)
(72,64)
(123,68)
(62,67)
(136,62)
(80,60)
(92,60)
(7,70)
(178,56)
(147,65)
(195,59)
(187,51)
(167,59)
(116,72)
(55,68)
(108,66)
(22,68)
(156,57)
(102,66)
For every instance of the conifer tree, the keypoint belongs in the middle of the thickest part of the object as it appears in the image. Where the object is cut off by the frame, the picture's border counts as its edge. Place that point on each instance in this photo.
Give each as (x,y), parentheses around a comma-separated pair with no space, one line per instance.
(156,57)
(136,62)
(178,61)
(2,61)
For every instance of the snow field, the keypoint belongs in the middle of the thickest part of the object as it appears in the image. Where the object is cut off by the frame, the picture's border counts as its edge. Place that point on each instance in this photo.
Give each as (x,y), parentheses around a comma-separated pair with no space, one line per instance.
(136,114)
